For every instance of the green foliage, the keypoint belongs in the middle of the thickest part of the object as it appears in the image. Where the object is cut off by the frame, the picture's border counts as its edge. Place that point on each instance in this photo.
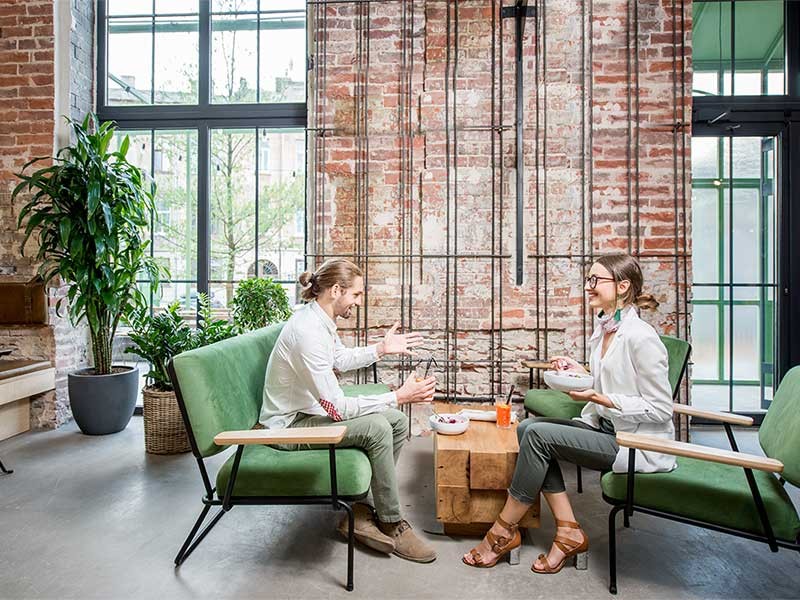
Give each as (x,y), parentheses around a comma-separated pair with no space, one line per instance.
(164,335)
(88,210)
(210,330)
(259,302)
(157,339)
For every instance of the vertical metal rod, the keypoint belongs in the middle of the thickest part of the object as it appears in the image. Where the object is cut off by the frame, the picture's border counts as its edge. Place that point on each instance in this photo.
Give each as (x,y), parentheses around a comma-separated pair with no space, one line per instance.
(537,165)
(258,168)
(590,111)
(520,12)
(153,52)
(324,98)
(543,21)
(675,165)
(584,348)
(492,373)
(258,68)
(637,122)
(447,198)
(501,266)
(730,271)
(683,189)
(455,201)
(365,130)
(203,207)
(733,49)
(629,141)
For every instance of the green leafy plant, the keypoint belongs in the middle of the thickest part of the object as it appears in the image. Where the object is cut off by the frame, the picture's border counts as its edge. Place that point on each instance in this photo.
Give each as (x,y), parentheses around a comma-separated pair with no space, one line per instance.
(157,339)
(88,210)
(160,337)
(259,302)
(209,329)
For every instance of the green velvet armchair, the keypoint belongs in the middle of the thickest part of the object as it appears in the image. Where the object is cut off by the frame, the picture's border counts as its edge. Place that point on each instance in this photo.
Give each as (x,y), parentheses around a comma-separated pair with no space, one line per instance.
(219,390)
(722,490)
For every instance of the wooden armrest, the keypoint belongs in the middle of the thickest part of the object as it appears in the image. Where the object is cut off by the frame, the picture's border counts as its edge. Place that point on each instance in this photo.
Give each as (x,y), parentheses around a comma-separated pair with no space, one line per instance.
(297,435)
(725,457)
(712,415)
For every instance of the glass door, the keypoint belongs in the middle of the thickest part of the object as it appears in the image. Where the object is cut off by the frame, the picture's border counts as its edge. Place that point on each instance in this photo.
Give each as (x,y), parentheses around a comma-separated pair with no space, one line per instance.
(734,249)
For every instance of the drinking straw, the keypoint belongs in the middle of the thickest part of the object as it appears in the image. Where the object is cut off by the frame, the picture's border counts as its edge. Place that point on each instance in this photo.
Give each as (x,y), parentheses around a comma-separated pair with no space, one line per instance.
(510,391)
(428,367)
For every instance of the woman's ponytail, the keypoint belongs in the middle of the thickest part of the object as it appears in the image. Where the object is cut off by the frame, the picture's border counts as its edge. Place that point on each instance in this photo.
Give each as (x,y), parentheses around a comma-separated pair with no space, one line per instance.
(646,302)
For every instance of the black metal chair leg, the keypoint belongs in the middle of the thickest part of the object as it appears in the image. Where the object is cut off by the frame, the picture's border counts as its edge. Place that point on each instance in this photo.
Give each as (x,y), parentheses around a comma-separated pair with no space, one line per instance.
(351,522)
(580,479)
(186,549)
(612,549)
(4,470)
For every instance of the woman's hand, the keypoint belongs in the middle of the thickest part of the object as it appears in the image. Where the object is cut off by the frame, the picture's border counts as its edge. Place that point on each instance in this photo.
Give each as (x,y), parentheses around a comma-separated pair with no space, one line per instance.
(591,395)
(565,363)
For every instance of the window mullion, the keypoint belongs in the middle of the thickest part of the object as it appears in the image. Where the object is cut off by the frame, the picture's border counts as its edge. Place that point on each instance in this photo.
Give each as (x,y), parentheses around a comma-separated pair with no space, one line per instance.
(203,208)
(204,60)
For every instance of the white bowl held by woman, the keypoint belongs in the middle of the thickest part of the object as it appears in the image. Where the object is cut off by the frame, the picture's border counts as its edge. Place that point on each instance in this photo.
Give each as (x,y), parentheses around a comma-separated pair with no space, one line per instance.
(449,423)
(568,381)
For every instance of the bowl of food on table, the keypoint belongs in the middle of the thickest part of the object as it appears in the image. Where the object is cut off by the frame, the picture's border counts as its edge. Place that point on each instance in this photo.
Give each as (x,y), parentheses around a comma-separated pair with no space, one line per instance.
(568,381)
(449,423)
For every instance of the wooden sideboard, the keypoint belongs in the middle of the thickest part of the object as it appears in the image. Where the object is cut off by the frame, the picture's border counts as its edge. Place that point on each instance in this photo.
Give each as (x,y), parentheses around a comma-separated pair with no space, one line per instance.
(19,380)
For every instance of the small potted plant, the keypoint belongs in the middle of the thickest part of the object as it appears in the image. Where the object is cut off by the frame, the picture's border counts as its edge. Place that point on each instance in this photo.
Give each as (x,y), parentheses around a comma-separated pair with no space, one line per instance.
(157,339)
(88,211)
(259,302)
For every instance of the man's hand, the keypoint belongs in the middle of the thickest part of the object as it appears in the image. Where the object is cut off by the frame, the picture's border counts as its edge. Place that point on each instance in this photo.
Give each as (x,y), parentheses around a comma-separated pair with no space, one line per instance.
(395,343)
(413,391)
(591,395)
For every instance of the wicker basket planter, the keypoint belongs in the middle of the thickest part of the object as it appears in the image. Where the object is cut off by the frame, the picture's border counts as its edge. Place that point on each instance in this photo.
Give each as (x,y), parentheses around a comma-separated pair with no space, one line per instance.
(164,432)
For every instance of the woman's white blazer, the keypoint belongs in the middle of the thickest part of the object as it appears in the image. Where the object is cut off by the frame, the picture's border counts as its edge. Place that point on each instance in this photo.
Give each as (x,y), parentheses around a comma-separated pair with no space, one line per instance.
(634,374)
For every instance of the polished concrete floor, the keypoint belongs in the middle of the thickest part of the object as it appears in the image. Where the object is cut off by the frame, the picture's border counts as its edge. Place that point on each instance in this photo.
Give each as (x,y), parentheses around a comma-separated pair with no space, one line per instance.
(96,517)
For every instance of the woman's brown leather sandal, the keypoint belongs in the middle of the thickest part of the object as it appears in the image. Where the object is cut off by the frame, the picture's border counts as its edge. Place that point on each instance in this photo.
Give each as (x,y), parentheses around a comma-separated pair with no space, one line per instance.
(578,552)
(501,545)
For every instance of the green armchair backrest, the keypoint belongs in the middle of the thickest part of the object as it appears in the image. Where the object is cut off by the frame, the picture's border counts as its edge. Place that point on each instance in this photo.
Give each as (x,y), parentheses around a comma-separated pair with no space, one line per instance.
(222,384)
(678,356)
(779,434)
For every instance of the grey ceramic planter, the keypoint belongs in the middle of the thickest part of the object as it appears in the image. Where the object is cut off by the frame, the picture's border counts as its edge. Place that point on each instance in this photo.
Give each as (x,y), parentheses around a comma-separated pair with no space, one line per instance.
(103,404)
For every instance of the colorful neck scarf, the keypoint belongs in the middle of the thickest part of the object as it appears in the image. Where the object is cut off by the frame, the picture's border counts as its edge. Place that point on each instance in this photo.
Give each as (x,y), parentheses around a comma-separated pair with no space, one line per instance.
(610,323)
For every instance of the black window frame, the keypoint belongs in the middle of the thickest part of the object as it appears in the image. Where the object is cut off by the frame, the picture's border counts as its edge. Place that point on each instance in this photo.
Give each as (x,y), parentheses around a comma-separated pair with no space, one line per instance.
(202,117)
(776,116)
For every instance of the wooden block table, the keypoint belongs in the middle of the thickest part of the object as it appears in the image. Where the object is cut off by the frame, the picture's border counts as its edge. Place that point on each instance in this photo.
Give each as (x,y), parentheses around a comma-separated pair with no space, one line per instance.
(473,472)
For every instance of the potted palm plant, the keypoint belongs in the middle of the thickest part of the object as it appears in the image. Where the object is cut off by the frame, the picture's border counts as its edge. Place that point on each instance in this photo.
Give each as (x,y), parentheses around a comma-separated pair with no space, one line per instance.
(156,339)
(88,210)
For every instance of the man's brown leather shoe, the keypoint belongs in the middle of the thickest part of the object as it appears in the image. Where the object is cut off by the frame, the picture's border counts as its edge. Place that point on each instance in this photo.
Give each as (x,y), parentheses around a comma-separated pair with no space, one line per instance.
(366,529)
(406,543)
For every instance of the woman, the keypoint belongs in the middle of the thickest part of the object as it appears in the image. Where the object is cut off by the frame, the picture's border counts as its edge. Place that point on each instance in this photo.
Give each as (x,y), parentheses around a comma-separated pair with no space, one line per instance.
(631,393)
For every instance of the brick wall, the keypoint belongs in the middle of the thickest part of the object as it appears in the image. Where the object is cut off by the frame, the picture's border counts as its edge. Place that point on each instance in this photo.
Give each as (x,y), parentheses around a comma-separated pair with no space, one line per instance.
(82,70)
(412,149)
(27,103)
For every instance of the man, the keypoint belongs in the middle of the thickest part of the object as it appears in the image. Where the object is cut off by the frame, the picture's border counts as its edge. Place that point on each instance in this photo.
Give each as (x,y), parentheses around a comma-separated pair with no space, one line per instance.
(301,390)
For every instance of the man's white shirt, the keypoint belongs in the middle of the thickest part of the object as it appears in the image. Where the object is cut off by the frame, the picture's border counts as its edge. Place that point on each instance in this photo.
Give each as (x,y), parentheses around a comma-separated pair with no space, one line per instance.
(300,377)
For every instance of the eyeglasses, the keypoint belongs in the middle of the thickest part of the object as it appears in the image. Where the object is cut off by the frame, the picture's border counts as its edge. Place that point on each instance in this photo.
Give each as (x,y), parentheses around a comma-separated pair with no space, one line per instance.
(592,280)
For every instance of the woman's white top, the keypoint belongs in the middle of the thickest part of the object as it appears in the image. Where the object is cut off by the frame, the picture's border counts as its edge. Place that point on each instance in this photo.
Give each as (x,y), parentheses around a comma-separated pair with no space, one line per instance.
(634,375)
